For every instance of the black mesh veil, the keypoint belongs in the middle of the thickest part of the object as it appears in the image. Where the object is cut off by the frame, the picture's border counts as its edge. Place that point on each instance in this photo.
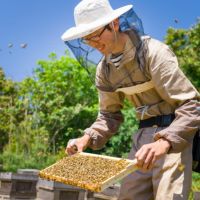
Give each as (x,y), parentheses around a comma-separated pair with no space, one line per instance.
(89,57)
(130,21)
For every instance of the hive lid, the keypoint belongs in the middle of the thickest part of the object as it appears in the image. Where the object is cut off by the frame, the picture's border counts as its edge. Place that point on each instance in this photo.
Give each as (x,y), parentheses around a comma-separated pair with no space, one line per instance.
(89,171)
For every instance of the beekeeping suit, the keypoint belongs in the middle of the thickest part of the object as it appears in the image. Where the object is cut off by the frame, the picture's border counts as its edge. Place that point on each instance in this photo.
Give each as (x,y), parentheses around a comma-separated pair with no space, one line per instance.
(147,74)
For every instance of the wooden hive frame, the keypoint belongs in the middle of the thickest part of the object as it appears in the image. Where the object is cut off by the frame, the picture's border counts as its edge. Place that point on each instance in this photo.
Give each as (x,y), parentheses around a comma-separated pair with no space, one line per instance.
(131,166)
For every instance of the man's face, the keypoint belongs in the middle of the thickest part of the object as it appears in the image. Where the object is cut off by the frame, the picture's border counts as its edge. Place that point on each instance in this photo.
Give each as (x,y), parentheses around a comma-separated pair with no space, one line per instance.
(103,40)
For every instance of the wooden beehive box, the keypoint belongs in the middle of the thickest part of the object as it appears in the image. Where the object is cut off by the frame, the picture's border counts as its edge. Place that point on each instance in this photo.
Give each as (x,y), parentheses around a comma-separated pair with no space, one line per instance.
(89,171)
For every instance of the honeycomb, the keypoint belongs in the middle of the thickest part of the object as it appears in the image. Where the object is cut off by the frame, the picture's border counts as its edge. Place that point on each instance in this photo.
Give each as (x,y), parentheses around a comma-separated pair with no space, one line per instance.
(84,171)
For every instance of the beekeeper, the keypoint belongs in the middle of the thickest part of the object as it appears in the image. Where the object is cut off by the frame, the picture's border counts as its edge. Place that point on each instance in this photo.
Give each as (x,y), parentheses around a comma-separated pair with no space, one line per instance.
(146,72)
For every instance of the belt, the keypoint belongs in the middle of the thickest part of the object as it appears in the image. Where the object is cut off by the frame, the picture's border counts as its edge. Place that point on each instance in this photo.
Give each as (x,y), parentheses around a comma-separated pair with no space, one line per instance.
(158,121)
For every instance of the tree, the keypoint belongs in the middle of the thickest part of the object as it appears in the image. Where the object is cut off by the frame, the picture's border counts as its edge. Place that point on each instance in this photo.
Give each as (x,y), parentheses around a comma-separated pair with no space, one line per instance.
(60,98)
(7,99)
(55,105)
(186,45)
(60,93)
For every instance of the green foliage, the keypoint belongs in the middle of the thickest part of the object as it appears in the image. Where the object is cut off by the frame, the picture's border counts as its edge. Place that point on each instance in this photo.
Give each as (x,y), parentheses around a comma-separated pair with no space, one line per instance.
(195,184)
(58,103)
(27,148)
(59,92)
(196,181)
(185,44)
(7,98)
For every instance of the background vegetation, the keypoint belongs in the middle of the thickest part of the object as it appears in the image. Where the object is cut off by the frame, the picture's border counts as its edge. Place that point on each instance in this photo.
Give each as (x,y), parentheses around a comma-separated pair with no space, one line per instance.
(40,114)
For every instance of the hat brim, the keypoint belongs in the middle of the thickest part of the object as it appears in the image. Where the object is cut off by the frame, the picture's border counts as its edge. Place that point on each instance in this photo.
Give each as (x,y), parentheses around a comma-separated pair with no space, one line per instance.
(86,29)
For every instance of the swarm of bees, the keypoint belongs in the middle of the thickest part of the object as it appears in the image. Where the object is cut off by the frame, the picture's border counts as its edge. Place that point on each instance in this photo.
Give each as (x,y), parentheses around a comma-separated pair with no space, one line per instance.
(11,45)
(23,45)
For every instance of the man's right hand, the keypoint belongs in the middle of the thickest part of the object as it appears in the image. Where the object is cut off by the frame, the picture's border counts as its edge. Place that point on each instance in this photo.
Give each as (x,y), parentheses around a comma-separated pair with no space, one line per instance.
(77,145)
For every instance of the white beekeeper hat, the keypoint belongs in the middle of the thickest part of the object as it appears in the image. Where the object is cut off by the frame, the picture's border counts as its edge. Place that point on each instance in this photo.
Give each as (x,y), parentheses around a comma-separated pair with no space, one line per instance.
(90,15)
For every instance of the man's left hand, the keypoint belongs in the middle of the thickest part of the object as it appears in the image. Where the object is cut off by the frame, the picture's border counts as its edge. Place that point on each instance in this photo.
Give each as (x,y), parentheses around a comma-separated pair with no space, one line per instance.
(148,154)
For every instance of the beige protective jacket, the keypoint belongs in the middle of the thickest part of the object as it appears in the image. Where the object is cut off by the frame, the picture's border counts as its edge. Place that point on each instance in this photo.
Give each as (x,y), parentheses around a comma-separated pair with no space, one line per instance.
(164,91)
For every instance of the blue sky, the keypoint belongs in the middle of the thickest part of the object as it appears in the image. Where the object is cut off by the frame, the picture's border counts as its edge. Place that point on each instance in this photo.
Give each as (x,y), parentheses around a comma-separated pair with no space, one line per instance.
(40,23)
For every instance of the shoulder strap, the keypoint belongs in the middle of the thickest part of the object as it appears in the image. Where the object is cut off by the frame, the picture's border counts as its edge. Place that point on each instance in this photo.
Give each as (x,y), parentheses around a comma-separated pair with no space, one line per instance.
(137,89)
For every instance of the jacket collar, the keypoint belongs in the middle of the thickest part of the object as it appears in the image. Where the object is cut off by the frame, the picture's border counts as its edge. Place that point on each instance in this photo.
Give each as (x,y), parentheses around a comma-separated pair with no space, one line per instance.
(128,53)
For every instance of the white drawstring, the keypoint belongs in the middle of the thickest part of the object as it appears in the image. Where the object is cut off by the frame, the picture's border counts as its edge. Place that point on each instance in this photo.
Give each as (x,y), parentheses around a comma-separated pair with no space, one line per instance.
(143,110)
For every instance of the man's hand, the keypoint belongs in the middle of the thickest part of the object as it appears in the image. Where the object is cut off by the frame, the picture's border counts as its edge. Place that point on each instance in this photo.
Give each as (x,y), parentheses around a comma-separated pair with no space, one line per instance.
(77,145)
(149,153)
